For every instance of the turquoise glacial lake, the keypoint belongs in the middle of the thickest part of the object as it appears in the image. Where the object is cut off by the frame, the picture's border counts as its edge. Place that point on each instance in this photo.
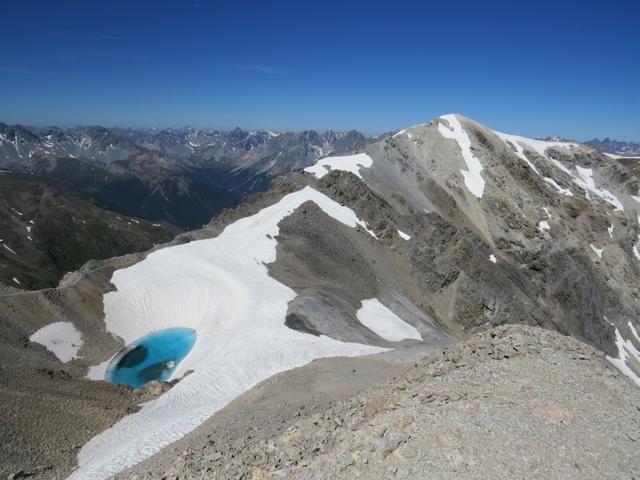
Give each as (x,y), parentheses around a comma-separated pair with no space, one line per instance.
(152,357)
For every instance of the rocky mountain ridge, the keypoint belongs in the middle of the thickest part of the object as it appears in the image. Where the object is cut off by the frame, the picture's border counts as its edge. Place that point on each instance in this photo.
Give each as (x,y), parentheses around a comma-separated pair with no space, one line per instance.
(262,150)
(441,230)
(500,404)
(222,165)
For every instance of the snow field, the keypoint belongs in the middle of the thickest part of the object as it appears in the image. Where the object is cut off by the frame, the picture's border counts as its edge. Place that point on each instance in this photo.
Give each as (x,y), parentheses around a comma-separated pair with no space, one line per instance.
(384,323)
(348,163)
(220,287)
(472,177)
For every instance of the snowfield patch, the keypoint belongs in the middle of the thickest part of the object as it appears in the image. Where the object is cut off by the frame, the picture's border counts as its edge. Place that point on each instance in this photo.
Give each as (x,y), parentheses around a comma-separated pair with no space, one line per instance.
(60,338)
(543,226)
(384,323)
(626,351)
(586,182)
(221,288)
(348,163)
(472,177)
(515,141)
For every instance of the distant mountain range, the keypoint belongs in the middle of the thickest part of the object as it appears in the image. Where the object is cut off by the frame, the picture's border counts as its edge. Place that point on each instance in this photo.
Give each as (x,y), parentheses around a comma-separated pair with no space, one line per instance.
(618,147)
(256,153)
(178,179)
(183,177)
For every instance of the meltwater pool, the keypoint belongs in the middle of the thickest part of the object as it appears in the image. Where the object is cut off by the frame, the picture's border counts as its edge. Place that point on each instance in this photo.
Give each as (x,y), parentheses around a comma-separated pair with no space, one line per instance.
(152,357)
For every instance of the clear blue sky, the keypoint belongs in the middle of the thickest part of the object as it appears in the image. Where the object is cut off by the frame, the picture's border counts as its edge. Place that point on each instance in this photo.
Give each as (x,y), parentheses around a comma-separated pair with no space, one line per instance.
(534,68)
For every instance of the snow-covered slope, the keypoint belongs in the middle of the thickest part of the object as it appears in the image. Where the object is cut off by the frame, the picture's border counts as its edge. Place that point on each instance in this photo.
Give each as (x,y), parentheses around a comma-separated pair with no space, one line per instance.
(220,288)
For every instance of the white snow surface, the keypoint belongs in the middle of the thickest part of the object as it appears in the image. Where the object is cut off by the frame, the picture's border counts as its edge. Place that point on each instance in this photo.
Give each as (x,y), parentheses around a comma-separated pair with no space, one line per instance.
(347,163)
(584,179)
(616,156)
(597,251)
(634,331)
(515,141)
(384,323)
(544,226)
(403,235)
(472,177)
(404,130)
(492,258)
(626,349)
(221,288)
(554,184)
(60,338)
(7,247)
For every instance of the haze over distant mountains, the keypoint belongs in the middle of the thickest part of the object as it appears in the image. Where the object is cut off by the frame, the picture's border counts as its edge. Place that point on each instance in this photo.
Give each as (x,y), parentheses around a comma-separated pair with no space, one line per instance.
(135,186)
(618,147)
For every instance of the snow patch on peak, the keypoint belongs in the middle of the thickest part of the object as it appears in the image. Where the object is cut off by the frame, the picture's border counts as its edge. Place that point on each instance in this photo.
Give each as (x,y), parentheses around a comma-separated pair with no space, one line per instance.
(515,141)
(597,251)
(586,182)
(472,177)
(626,350)
(403,235)
(543,226)
(554,184)
(404,130)
(583,178)
(347,163)
(634,331)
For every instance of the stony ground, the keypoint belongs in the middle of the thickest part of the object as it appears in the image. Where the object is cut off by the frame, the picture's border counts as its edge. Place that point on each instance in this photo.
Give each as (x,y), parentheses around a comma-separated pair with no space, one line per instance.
(511,402)
(47,415)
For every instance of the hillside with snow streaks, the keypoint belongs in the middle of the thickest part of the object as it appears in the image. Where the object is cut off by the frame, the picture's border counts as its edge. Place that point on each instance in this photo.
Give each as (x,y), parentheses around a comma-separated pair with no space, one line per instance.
(220,288)
(472,177)
(583,177)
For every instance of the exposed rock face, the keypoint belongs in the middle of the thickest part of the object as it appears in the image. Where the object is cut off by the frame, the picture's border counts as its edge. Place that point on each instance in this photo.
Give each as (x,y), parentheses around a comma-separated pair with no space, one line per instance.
(510,402)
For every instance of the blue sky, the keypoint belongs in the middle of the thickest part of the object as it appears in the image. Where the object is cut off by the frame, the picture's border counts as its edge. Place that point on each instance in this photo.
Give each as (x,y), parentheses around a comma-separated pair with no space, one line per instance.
(533,68)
